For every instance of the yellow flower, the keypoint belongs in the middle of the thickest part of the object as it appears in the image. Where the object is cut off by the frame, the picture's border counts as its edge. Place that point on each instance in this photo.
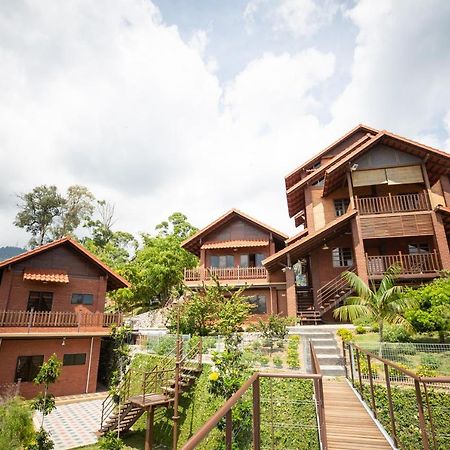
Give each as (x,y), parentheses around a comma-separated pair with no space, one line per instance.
(214,376)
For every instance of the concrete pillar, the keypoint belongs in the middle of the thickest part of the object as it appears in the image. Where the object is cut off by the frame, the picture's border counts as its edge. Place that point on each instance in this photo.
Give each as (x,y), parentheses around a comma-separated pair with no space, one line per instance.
(309,213)
(359,255)
(291,295)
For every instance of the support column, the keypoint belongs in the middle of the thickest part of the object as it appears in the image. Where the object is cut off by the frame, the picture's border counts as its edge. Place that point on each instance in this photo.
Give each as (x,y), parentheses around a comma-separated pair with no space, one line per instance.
(445,184)
(440,240)
(309,213)
(358,250)
(149,430)
(291,295)
(273,301)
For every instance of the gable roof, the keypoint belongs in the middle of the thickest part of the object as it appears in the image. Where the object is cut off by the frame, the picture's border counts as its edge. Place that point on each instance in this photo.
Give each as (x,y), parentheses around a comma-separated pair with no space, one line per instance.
(115,281)
(302,246)
(295,176)
(436,161)
(295,194)
(193,243)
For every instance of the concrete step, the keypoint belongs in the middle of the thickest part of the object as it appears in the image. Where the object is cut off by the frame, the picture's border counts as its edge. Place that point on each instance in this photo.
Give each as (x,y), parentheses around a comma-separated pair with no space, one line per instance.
(326,360)
(327,349)
(332,370)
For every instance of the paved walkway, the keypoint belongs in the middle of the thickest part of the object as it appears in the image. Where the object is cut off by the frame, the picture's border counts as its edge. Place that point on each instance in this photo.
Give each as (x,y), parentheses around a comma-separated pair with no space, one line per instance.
(349,426)
(73,425)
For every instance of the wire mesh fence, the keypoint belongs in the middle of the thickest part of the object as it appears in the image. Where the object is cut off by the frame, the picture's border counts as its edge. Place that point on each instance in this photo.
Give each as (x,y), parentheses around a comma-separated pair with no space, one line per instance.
(413,409)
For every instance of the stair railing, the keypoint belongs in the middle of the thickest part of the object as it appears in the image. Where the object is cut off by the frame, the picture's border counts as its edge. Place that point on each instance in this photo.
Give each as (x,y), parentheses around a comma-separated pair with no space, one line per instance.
(327,293)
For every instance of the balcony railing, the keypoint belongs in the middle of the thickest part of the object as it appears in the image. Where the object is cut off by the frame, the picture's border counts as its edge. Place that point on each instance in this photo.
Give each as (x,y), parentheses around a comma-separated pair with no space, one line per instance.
(393,203)
(57,319)
(414,264)
(225,273)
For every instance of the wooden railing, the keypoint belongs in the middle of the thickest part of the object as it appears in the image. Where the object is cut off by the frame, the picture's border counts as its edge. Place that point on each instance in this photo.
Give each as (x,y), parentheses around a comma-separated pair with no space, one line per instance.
(393,203)
(409,264)
(225,273)
(34,319)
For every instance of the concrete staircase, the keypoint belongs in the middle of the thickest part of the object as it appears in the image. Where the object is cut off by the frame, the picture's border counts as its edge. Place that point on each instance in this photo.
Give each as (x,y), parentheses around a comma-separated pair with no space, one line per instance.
(327,350)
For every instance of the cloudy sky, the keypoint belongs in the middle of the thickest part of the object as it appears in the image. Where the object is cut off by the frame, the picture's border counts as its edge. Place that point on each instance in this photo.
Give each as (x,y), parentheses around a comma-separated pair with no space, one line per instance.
(199,106)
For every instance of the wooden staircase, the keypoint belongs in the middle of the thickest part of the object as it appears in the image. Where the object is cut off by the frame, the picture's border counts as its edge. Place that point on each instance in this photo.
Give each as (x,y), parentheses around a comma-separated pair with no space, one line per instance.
(157,389)
(306,313)
(333,294)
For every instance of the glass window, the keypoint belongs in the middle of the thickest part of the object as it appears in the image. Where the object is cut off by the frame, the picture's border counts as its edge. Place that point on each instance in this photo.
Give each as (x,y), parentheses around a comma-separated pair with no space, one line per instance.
(319,182)
(28,367)
(74,359)
(260,304)
(422,247)
(40,301)
(259,257)
(222,261)
(82,299)
(341,206)
(342,257)
(244,261)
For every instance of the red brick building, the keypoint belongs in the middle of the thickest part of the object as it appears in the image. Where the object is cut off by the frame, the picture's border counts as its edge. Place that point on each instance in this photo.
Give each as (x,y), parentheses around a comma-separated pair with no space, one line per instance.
(370,200)
(52,300)
(232,249)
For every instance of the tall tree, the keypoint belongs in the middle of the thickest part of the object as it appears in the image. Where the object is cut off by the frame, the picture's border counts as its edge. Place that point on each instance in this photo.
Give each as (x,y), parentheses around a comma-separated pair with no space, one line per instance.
(38,210)
(382,304)
(47,214)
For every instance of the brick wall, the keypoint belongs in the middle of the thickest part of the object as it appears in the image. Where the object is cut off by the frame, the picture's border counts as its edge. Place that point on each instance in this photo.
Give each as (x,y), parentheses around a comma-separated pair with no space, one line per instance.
(73,379)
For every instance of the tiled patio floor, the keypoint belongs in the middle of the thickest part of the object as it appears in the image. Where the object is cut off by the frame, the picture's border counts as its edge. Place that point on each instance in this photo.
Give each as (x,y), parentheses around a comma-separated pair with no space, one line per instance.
(73,425)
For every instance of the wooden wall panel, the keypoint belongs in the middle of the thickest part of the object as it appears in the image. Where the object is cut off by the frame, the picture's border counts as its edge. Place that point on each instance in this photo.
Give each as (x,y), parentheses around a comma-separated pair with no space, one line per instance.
(396,226)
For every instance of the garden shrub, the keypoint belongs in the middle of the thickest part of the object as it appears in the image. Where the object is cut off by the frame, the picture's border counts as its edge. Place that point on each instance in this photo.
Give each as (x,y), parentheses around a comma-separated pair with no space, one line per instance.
(364,366)
(431,361)
(396,333)
(425,371)
(375,328)
(110,441)
(345,334)
(278,363)
(264,360)
(360,330)
(292,359)
(16,423)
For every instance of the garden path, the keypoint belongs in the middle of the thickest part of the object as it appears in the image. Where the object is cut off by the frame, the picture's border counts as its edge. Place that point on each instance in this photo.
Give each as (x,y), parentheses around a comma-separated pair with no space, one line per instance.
(349,425)
(74,424)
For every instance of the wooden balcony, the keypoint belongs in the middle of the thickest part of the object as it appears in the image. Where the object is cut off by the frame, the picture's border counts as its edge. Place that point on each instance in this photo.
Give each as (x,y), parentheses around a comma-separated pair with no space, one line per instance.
(200,274)
(32,320)
(393,204)
(421,265)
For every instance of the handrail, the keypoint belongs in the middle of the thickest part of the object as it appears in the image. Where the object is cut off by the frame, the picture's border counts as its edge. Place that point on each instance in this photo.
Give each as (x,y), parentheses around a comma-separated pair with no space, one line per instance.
(253,381)
(393,203)
(36,319)
(326,294)
(225,273)
(408,263)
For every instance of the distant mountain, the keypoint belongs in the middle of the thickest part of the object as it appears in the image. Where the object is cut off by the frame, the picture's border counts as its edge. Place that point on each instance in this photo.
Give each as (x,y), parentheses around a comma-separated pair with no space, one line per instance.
(9,252)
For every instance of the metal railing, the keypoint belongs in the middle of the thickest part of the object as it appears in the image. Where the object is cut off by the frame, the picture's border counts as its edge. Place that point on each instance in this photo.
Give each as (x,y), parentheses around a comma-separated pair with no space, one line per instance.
(259,398)
(409,264)
(333,292)
(413,409)
(393,203)
(46,319)
(225,273)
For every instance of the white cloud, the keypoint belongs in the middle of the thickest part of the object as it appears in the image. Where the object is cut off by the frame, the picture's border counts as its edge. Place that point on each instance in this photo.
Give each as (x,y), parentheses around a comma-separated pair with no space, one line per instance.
(298,17)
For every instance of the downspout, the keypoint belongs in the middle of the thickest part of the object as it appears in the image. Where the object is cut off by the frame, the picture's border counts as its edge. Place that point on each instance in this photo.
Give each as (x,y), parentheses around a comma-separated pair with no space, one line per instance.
(89,366)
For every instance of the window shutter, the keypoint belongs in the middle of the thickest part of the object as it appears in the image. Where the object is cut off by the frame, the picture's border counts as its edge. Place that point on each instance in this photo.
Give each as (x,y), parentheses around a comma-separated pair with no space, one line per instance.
(404,175)
(369,177)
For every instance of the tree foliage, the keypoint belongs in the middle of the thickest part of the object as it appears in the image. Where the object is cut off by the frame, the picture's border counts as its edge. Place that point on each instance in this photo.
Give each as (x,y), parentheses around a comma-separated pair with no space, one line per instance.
(432,311)
(48,215)
(382,304)
(210,310)
(16,423)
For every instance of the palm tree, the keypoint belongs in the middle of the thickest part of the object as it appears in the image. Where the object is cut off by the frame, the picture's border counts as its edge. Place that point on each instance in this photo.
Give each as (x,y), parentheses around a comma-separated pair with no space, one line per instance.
(384,304)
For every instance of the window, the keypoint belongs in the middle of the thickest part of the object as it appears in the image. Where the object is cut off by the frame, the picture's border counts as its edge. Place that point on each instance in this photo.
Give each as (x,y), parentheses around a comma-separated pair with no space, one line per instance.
(40,301)
(28,367)
(319,182)
(260,302)
(74,359)
(252,260)
(342,257)
(422,247)
(341,206)
(82,299)
(222,261)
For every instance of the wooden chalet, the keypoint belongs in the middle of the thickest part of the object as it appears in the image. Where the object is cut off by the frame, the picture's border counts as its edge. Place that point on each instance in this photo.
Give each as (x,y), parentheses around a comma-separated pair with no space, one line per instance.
(52,301)
(232,249)
(370,200)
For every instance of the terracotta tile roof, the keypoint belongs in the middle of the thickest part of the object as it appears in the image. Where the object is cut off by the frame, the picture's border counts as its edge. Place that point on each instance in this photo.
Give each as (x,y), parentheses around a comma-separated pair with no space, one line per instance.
(235,244)
(48,275)
(115,281)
